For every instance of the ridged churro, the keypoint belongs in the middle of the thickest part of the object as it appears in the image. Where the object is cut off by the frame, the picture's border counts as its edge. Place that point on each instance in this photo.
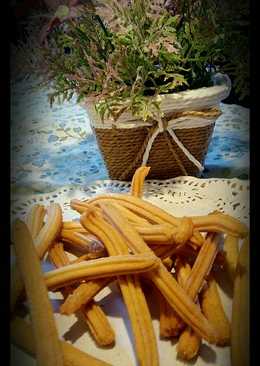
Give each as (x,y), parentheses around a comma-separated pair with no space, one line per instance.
(170,322)
(44,239)
(57,255)
(50,230)
(188,345)
(202,266)
(130,287)
(213,309)
(220,223)
(240,335)
(83,294)
(189,342)
(131,216)
(197,238)
(22,337)
(100,268)
(93,315)
(138,180)
(35,219)
(47,345)
(156,234)
(231,250)
(214,222)
(162,279)
(83,243)
(98,324)
(73,225)
(84,257)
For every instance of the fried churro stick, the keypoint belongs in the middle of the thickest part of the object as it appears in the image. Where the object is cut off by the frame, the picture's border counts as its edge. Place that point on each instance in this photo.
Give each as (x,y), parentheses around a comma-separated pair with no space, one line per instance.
(188,345)
(83,243)
(22,337)
(182,227)
(162,279)
(202,266)
(100,268)
(163,251)
(220,223)
(156,234)
(214,222)
(98,324)
(79,206)
(58,256)
(170,323)
(82,207)
(231,249)
(83,294)
(44,239)
(189,342)
(93,315)
(131,216)
(130,286)
(47,345)
(240,336)
(197,238)
(213,309)
(138,180)
(73,225)
(50,230)
(84,257)
(35,219)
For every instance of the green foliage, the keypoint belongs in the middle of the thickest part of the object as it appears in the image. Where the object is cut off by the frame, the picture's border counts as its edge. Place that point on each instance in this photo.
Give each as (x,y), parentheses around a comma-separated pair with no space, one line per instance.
(128,50)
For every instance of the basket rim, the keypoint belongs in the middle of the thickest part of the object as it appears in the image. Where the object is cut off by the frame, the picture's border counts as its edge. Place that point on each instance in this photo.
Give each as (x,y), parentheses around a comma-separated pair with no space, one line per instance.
(191,99)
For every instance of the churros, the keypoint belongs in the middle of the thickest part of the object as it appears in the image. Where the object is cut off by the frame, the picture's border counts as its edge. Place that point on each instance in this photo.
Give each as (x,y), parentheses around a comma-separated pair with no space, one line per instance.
(240,335)
(170,323)
(189,342)
(213,309)
(138,180)
(93,315)
(202,266)
(100,268)
(231,250)
(80,242)
(48,348)
(35,219)
(209,223)
(50,230)
(98,324)
(125,239)
(162,279)
(83,294)
(131,290)
(44,239)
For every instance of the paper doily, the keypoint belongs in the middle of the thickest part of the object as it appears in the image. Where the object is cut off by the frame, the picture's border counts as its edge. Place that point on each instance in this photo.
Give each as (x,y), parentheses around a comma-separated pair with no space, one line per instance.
(229,196)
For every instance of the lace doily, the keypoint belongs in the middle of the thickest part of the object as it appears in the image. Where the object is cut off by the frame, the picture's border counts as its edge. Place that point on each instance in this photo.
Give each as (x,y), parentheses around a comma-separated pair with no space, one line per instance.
(200,196)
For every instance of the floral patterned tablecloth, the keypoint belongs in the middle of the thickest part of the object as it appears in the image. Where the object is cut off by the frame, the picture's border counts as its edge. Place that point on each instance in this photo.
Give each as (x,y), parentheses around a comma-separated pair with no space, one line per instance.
(53,147)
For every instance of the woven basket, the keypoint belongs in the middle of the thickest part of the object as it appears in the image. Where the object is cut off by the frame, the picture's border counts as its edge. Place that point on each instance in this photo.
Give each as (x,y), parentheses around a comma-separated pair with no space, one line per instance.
(123,142)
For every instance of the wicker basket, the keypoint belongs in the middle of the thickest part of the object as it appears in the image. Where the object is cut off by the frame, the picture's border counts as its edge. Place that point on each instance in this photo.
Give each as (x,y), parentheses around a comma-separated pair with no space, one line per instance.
(122,143)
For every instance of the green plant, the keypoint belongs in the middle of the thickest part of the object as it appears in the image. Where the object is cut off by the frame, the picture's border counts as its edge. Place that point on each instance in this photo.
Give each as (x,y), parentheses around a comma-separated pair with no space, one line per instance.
(125,51)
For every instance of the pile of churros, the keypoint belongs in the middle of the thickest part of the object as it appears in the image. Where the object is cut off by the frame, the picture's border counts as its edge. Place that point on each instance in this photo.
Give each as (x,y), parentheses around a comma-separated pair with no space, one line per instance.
(124,239)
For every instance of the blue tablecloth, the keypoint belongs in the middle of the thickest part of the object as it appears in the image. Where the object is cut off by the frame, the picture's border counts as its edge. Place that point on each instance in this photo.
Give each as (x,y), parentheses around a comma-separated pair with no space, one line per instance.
(53,147)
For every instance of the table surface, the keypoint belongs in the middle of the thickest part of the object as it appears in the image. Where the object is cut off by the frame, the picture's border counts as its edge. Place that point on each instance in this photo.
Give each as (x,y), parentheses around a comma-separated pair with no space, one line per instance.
(54,147)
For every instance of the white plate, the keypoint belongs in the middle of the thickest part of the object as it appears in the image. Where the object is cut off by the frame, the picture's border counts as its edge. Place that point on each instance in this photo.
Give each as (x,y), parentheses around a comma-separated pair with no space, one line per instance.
(181,196)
